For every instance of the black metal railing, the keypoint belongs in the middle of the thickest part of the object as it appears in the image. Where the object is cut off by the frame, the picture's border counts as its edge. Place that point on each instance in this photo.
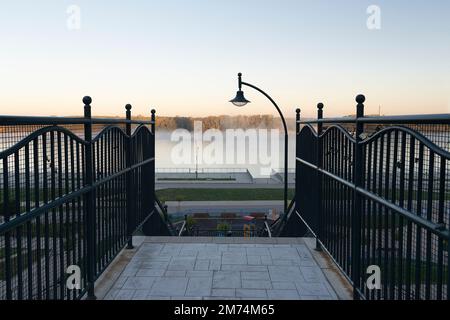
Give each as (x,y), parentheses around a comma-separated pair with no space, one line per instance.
(280,224)
(162,210)
(72,192)
(375,191)
(225,227)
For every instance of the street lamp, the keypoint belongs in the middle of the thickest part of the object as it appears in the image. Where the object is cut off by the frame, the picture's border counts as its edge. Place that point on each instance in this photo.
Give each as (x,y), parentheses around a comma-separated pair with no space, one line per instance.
(241,101)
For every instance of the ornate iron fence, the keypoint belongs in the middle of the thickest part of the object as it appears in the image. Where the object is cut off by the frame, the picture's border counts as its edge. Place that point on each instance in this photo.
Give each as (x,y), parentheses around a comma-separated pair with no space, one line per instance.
(375,191)
(72,192)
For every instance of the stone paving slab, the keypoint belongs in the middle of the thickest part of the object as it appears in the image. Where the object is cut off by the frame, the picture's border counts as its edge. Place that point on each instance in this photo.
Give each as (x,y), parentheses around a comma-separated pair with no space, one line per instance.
(219,269)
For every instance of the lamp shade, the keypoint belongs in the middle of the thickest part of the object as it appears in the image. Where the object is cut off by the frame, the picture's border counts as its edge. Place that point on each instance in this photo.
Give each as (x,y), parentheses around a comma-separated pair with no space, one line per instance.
(239,100)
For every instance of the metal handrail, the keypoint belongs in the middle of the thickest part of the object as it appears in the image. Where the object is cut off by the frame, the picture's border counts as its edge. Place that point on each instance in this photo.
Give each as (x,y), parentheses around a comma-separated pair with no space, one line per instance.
(35,212)
(159,204)
(427,224)
(286,213)
(165,214)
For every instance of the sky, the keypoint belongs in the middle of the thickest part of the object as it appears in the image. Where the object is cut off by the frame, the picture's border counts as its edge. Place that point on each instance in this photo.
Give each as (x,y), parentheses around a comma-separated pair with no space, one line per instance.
(182,56)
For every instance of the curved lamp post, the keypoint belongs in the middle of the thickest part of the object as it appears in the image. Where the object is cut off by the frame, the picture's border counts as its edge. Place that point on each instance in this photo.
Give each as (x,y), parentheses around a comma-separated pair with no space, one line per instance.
(240,101)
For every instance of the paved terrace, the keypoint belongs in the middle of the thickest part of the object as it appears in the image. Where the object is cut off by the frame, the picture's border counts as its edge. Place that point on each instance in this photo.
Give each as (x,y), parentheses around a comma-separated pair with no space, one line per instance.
(221,268)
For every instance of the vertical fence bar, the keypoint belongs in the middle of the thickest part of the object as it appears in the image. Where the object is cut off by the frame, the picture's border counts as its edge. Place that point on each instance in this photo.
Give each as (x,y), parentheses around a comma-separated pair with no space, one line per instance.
(401,221)
(152,165)
(428,247)
(319,177)
(418,244)
(409,230)
(347,175)
(297,163)
(151,225)
(96,201)
(89,202)
(38,219)
(123,222)
(358,201)
(6,213)
(101,201)
(60,222)
(53,223)
(393,215)
(109,207)
(129,193)
(46,217)
(448,253)
(387,175)
(441,197)
(29,225)
(73,208)
(19,261)
(367,240)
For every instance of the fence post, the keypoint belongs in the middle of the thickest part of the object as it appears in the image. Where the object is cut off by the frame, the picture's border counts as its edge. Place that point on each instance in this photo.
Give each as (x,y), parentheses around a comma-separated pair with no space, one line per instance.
(319,176)
(152,155)
(297,119)
(89,202)
(297,164)
(301,227)
(129,192)
(358,203)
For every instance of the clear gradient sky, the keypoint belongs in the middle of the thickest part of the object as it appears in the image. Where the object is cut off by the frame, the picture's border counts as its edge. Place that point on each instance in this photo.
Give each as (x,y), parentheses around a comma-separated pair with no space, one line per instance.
(182,56)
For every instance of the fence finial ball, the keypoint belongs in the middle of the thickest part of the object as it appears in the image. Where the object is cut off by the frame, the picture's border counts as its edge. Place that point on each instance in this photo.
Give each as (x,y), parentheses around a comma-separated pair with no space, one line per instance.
(320,106)
(87,100)
(360,98)
(153,111)
(297,110)
(128,107)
